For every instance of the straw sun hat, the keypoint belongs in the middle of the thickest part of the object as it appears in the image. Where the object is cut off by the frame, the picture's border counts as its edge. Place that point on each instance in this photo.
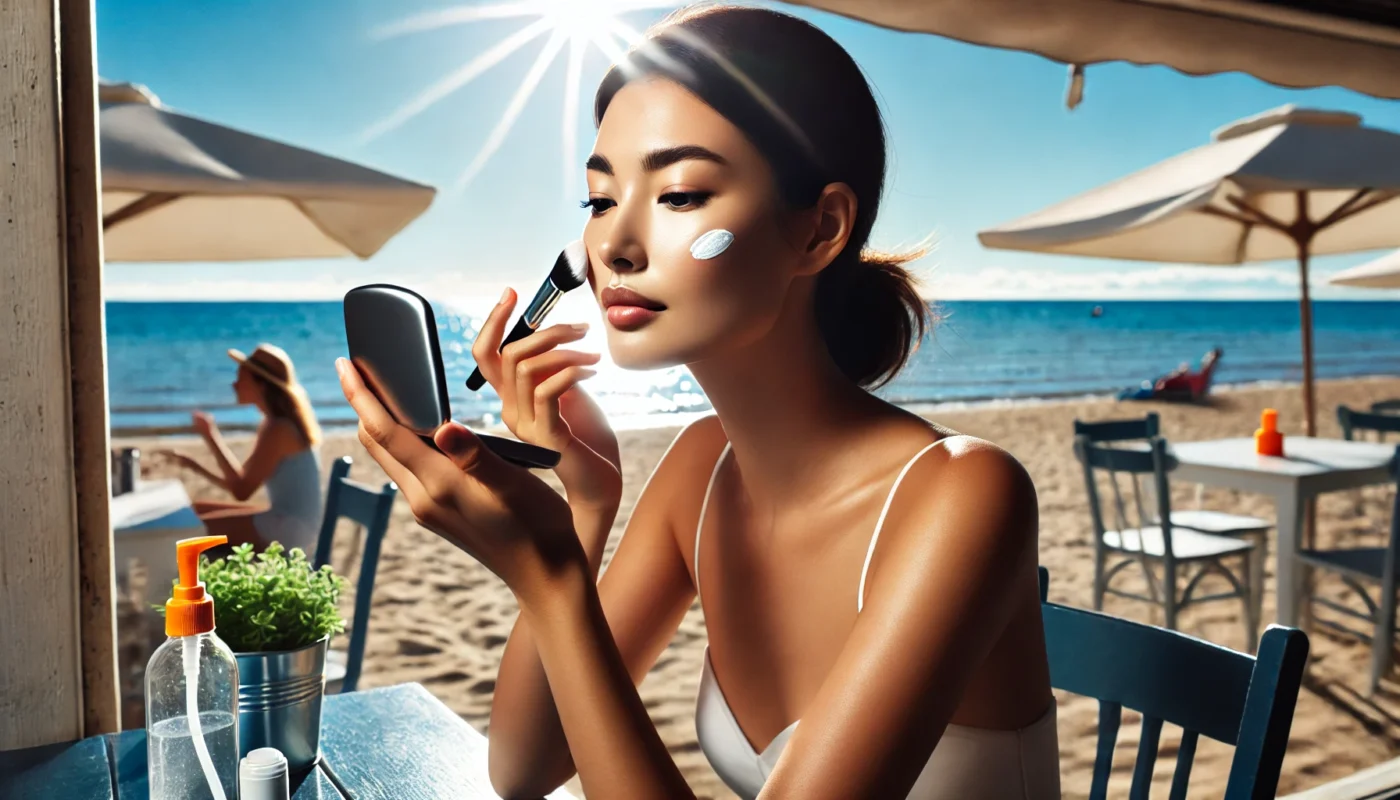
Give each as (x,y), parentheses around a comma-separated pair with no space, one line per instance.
(270,363)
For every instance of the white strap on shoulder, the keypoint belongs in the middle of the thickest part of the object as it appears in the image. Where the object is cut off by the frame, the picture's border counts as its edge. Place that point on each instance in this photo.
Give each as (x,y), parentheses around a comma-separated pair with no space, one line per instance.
(700,524)
(880,523)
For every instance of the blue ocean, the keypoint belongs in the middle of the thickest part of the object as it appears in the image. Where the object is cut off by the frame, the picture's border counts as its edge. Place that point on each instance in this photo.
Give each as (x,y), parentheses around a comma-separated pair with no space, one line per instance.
(166,359)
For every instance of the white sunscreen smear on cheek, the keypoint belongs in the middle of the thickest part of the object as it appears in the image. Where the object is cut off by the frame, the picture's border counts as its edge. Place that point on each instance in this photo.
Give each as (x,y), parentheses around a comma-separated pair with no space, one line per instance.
(711,243)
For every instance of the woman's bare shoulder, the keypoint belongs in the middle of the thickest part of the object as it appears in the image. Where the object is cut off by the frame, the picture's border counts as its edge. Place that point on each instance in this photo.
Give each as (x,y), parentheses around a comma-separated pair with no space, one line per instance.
(675,488)
(969,484)
(692,453)
(281,436)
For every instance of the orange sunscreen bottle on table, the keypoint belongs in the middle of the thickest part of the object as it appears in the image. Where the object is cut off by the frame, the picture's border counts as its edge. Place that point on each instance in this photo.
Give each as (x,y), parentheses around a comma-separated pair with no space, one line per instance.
(1267,440)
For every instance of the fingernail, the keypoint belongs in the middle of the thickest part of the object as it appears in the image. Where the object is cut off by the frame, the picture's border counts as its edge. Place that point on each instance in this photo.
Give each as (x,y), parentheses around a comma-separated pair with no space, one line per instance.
(504,296)
(579,326)
(340,367)
(588,373)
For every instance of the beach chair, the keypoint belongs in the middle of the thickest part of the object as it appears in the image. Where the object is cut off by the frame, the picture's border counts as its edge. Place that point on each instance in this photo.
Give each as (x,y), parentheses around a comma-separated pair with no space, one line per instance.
(1150,539)
(346,499)
(1358,568)
(1220,523)
(1170,677)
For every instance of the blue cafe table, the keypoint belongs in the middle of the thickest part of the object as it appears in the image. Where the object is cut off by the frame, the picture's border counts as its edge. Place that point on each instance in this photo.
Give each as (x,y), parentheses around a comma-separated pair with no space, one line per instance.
(396,742)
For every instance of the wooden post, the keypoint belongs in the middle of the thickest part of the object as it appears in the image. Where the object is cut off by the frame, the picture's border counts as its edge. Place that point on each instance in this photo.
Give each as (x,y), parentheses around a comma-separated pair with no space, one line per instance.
(52,499)
(87,348)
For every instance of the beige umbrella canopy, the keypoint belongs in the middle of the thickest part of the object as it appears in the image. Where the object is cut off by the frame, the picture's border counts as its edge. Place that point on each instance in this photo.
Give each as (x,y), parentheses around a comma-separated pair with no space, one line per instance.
(1288,183)
(1299,44)
(178,188)
(1383,273)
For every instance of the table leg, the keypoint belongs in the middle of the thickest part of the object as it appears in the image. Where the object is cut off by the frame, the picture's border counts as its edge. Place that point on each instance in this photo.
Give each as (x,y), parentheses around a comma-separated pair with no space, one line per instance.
(1289,510)
(1256,585)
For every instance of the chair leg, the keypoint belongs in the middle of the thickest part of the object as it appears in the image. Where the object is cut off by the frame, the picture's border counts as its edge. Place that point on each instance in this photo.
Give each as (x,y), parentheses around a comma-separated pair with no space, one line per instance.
(1169,593)
(1098,575)
(1251,610)
(1383,638)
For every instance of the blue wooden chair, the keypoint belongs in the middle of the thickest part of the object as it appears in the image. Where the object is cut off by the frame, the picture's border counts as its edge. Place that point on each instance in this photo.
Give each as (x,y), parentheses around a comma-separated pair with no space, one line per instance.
(1204,689)
(1142,431)
(346,499)
(1380,422)
(1145,533)
(1386,406)
(1360,567)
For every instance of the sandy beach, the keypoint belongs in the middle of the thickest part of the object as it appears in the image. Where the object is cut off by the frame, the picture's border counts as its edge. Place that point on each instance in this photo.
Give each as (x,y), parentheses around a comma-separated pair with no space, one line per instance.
(441,619)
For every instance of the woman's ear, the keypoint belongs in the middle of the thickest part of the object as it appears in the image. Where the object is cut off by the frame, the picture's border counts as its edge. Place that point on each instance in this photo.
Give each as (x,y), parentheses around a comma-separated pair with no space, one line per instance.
(832,218)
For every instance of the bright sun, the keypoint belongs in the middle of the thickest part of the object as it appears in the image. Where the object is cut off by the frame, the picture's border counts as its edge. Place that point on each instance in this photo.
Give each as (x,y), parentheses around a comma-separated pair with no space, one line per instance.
(576,24)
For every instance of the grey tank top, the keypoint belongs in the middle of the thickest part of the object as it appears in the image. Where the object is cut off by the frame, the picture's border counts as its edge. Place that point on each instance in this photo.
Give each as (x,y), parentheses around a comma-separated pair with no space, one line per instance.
(294,488)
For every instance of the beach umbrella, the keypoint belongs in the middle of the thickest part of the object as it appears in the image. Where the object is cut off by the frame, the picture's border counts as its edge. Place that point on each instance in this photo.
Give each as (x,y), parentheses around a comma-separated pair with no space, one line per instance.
(1288,183)
(179,188)
(1299,45)
(1383,273)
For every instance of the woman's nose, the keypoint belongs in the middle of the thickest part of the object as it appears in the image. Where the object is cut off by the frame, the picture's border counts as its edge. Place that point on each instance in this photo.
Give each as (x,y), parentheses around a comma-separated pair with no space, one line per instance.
(622,249)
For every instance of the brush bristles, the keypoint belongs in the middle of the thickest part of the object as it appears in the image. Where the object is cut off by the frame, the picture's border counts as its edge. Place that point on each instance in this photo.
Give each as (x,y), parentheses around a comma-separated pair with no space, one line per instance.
(571,270)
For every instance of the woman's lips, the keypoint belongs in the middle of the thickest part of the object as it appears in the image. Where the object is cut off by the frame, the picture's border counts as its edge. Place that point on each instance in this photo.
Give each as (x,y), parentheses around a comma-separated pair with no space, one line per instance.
(628,309)
(630,318)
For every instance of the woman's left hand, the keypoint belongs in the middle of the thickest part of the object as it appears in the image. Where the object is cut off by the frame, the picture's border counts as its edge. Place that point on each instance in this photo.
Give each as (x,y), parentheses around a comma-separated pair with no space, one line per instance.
(179,458)
(203,423)
(506,518)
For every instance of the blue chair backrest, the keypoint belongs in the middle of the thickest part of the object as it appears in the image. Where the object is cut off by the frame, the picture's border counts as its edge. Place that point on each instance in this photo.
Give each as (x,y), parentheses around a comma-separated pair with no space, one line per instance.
(1353,421)
(1117,430)
(1147,503)
(1169,676)
(1386,406)
(346,499)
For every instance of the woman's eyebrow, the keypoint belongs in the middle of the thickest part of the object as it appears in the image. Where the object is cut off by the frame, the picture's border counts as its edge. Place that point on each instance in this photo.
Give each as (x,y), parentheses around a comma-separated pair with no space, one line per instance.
(666,156)
(599,163)
(660,159)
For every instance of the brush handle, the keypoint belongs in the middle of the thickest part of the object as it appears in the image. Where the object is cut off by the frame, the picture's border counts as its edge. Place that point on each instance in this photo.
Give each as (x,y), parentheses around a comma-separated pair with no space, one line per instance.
(520,331)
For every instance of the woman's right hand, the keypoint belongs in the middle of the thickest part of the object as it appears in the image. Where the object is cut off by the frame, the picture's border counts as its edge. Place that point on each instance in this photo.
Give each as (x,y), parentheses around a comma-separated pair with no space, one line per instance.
(542,403)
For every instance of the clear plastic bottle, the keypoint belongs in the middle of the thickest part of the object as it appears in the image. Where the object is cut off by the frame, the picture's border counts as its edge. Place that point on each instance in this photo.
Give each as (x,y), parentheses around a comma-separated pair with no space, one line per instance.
(192,736)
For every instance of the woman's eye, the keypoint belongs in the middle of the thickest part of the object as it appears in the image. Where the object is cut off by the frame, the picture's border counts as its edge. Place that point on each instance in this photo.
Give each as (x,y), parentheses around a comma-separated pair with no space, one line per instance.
(682,200)
(597,205)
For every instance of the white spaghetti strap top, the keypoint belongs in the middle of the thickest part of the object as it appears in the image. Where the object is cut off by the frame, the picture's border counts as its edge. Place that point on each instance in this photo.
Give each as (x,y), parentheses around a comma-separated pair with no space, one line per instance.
(967,763)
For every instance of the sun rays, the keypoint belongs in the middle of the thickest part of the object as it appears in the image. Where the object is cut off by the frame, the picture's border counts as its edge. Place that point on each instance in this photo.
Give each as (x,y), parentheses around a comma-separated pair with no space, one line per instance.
(575,24)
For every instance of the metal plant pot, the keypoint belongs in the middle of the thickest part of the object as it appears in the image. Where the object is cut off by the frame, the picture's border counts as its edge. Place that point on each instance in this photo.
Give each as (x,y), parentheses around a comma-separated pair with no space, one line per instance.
(279,703)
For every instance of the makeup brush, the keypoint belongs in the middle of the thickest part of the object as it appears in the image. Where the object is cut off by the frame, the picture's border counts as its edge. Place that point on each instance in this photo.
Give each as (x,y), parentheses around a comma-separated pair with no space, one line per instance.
(569,272)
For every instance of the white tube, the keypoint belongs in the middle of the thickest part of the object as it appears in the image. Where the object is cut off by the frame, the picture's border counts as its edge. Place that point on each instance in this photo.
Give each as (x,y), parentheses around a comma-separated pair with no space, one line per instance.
(191,657)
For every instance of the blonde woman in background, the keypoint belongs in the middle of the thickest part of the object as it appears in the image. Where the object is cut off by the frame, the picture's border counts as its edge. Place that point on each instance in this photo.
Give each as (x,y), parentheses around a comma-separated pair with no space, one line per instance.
(284,458)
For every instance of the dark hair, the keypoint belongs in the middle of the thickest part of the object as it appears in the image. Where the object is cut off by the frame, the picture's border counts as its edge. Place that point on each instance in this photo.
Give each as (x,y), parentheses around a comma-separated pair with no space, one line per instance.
(805,104)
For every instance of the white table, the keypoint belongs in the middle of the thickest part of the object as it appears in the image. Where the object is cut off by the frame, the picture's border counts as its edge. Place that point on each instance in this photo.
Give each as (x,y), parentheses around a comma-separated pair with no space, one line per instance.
(146,524)
(1308,468)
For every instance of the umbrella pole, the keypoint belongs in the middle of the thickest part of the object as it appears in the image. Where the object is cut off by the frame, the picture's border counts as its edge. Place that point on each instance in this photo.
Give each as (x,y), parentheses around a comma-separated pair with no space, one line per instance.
(1305,312)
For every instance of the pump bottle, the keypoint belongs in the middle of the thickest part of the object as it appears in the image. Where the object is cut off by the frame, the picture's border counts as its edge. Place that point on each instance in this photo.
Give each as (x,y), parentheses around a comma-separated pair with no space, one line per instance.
(192,694)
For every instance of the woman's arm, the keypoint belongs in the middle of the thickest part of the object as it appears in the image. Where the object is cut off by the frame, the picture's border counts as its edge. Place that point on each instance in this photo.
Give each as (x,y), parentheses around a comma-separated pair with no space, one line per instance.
(644,595)
(274,440)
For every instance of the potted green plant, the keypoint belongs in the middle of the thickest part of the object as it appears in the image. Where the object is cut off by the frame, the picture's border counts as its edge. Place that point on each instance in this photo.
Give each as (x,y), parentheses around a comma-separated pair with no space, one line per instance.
(278,615)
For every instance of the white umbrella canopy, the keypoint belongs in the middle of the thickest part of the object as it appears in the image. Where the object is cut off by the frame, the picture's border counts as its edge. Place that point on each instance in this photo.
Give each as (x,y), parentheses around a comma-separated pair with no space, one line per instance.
(1288,183)
(1383,273)
(178,188)
(1300,44)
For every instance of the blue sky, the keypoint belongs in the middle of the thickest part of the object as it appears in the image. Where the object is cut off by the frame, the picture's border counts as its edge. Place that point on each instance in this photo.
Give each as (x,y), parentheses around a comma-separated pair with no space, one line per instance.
(978,136)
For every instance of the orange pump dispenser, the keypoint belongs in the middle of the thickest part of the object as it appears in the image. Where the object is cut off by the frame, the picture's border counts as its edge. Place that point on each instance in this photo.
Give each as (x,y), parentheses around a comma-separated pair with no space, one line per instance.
(190,611)
(1267,440)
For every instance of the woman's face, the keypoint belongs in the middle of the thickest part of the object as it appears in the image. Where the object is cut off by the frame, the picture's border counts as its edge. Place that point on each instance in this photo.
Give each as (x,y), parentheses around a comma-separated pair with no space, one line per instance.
(665,169)
(245,388)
